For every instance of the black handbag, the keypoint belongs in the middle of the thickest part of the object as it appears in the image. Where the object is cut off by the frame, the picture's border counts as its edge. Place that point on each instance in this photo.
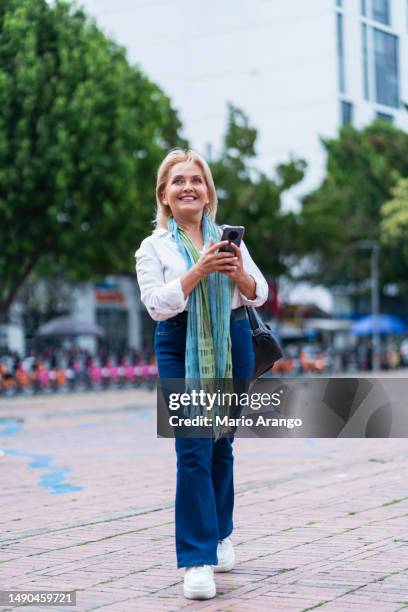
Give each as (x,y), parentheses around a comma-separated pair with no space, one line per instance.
(266,347)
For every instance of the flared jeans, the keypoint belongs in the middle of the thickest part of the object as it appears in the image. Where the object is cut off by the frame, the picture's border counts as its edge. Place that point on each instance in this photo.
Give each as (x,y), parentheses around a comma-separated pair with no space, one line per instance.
(205,480)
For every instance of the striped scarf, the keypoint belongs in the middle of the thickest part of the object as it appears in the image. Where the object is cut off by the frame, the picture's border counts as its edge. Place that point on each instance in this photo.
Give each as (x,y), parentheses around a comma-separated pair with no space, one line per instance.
(208,344)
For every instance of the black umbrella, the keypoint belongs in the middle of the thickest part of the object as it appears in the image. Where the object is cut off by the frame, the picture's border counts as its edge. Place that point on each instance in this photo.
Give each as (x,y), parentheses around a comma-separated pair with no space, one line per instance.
(69,326)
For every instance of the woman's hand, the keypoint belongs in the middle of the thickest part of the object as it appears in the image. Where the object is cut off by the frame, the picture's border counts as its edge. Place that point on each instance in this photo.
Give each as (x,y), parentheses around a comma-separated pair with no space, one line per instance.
(229,264)
(213,260)
(246,283)
(237,273)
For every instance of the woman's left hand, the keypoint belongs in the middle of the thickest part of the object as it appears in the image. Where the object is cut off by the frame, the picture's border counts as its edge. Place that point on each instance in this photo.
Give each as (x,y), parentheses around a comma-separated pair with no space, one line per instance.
(246,283)
(237,272)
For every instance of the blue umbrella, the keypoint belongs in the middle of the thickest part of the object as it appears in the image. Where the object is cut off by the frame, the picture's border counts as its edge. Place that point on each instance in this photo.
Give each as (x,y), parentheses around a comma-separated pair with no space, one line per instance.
(382,324)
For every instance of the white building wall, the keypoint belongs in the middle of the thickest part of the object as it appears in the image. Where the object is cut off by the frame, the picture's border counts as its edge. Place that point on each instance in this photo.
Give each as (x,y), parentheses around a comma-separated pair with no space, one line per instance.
(274,59)
(130,290)
(12,339)
(85,311)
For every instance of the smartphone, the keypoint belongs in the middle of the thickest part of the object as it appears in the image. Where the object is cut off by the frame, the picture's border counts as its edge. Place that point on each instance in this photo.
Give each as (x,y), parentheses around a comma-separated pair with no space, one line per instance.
(232,233)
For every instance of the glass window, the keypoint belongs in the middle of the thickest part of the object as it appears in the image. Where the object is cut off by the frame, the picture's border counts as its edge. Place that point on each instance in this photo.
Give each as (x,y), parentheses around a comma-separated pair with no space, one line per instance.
(116,327)
(365,62)
(386,68)
(346,112)
(386,117)
(340,52)
(339,3)
(363,8)
(381,11)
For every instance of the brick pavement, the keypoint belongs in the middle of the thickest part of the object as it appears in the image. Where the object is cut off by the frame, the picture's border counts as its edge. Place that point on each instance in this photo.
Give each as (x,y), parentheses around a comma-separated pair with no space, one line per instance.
(87,504)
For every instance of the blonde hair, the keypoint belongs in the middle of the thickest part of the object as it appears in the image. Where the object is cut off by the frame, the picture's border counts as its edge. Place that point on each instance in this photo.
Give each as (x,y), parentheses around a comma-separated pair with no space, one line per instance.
(176,156)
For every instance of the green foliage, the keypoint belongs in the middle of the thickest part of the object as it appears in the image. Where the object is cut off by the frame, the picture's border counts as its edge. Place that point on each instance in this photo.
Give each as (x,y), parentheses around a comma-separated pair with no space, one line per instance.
(362,168)
(81,136)
(394,214)
(249,197)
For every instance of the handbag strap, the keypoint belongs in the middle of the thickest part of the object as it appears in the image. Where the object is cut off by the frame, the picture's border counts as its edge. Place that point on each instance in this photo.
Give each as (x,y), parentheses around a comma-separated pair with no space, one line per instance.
(253,319)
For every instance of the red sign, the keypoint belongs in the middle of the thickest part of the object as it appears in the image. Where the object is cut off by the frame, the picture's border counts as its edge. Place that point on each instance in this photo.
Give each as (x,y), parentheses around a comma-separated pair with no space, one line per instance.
(103,296)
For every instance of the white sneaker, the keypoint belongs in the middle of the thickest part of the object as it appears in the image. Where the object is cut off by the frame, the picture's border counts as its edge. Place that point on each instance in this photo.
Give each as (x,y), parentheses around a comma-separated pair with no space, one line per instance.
(226,556)
(199,582)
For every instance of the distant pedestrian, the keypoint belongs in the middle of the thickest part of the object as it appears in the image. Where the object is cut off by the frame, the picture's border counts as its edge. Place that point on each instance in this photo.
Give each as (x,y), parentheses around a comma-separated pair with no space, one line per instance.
(197,294)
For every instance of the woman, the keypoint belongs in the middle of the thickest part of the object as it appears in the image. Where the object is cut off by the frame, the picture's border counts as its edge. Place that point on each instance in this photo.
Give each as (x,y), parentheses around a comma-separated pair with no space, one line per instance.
(198,294)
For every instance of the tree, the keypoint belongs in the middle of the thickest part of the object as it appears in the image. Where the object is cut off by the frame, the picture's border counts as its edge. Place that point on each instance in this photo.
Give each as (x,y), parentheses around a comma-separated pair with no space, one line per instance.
(44,299)
(362,168)
(249,197)
(394,225)
(81,136)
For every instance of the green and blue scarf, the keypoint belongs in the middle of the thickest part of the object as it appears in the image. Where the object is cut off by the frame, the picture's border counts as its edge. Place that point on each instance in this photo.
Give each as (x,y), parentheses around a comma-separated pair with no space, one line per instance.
(208,359)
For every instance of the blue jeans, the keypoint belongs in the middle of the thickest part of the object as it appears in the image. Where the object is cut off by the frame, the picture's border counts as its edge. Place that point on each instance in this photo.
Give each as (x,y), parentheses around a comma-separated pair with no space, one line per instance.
(205,482)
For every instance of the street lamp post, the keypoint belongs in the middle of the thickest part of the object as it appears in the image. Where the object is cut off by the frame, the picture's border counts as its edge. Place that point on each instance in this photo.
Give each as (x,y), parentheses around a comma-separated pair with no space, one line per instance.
(375,295)
(375,301)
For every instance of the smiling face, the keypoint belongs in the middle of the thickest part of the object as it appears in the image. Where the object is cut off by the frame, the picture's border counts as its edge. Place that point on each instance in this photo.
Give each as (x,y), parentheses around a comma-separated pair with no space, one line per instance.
(186,192)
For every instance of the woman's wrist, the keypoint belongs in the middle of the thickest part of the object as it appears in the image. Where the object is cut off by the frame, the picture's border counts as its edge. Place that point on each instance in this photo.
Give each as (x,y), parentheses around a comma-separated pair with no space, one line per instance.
(247,286)
(198,271)
(191,279)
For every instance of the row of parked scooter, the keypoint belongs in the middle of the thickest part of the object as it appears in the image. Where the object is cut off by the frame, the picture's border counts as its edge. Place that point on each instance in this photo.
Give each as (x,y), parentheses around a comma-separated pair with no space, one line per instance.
(33,375)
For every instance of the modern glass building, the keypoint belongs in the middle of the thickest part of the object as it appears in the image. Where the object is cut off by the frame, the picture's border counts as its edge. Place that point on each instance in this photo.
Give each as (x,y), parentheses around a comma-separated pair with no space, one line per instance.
(381,58)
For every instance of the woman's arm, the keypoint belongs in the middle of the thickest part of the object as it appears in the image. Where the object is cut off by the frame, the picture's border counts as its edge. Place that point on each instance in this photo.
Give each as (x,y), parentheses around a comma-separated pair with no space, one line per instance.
(251,283)
(190,280)
(162,300)
(247,286)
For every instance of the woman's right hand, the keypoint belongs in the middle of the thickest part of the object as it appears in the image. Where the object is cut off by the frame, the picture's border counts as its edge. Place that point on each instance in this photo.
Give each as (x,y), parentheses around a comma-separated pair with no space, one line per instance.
(212,260)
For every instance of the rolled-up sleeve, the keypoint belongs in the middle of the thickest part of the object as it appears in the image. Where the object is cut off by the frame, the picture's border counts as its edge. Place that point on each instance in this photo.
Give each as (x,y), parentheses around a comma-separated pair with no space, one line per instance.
(162,300)
(261,285)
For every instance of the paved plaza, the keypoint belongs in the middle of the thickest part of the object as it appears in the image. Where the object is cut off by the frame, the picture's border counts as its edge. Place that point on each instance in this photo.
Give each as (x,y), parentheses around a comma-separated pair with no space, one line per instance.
(87,505)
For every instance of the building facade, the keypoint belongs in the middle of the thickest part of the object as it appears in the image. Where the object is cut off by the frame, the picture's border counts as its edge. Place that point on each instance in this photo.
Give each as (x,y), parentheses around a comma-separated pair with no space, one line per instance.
(298,69)
(113,304)
(372,53)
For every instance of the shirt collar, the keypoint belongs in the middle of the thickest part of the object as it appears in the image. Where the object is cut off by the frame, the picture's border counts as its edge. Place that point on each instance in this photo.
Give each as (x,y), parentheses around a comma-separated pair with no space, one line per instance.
(160,231)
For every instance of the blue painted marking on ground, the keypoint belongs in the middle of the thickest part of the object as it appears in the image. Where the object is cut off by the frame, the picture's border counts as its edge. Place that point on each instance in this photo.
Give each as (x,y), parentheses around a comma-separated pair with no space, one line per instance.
(54,479)
(9,426)
(41,461)
(141,415)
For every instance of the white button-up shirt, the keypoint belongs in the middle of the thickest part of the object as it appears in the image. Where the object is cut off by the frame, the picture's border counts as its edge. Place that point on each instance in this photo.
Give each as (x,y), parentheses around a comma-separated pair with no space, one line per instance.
(160,266)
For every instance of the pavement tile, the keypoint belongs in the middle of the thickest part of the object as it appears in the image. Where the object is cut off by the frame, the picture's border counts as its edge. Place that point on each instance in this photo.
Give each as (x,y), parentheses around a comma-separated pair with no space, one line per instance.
(312,525)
